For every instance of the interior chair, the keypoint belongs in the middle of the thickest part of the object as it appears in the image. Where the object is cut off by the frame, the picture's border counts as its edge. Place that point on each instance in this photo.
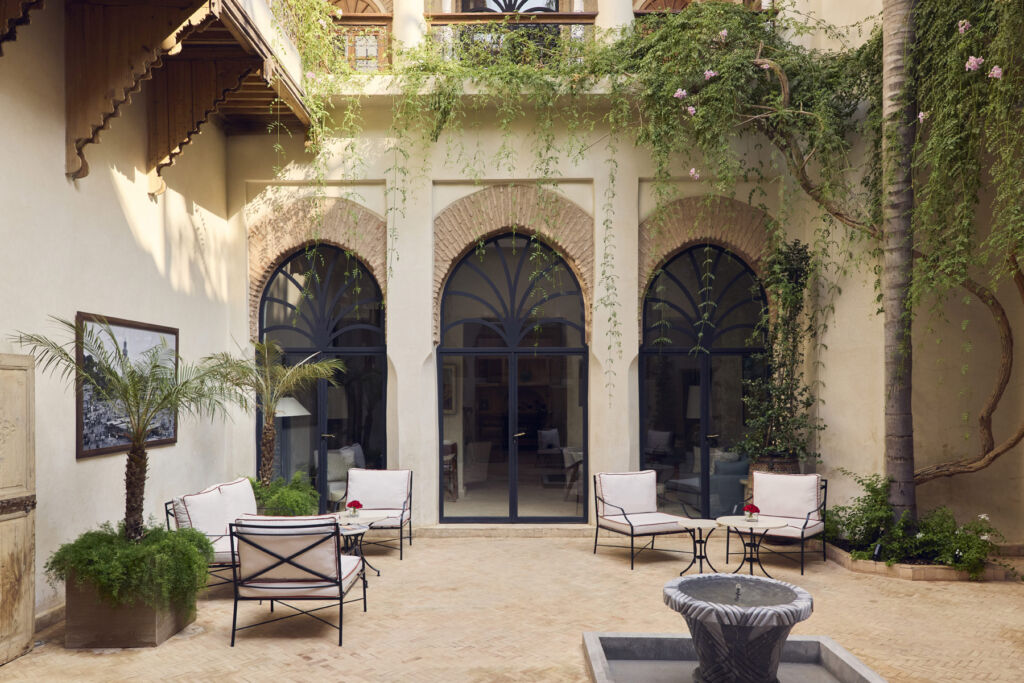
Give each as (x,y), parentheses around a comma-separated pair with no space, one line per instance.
(211,511)
(659,444)
(726,489)
(291,559)
(549,448)
(799,500)
(627,504)
(339,462)
(572,458)
(477,462)
(388,492)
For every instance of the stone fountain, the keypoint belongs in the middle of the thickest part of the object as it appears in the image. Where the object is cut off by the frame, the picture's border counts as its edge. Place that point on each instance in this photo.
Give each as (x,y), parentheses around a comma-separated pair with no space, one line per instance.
(738,623)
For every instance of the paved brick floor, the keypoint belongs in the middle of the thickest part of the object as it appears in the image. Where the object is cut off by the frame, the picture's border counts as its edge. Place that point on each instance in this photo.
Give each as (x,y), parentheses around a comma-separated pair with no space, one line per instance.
(513,609)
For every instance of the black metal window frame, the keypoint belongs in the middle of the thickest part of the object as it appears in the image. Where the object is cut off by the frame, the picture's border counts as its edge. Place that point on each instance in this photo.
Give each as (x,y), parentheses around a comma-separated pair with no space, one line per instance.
(513,328)
(509,6)
(316,316)
(704,354)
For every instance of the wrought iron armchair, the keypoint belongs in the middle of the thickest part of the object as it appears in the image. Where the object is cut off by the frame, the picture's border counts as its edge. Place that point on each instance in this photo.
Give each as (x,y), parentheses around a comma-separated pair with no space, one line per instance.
(627,503)
(799,499)
(288,559)
(388,492)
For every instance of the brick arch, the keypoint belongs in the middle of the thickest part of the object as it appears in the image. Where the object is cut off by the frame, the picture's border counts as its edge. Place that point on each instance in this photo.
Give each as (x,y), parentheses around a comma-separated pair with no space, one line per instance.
(280,234)
(718,220)
(494,210)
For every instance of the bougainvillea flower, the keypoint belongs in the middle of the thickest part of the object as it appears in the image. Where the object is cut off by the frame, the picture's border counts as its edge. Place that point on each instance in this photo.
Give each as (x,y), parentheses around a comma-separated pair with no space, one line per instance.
(974,63)
(963,26)
(709,74)
(691,110)
(995,72)
(679,94)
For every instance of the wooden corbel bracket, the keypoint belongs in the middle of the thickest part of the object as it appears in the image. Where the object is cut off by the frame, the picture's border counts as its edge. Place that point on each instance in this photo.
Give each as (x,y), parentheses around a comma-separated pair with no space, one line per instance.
(14,13)
(110,48)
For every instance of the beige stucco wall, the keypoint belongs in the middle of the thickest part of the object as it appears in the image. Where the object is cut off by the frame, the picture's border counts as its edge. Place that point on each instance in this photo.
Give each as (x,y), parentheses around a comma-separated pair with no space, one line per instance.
(102,245)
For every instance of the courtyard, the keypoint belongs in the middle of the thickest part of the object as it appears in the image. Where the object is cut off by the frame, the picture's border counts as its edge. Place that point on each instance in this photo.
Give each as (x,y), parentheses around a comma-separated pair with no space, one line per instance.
(511,607)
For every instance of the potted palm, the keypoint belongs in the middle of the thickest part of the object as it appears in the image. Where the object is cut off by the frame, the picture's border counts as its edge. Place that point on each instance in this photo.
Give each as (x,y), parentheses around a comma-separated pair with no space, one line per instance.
(129,585)
(263,376)
(780,420)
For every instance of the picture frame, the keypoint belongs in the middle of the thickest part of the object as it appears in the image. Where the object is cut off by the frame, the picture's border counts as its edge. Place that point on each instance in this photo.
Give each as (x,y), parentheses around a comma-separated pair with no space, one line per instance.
(96,424)
(449,389)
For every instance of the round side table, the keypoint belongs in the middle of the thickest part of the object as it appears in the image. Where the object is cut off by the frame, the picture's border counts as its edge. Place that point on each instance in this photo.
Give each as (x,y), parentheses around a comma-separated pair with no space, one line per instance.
(697,527)
(747,530)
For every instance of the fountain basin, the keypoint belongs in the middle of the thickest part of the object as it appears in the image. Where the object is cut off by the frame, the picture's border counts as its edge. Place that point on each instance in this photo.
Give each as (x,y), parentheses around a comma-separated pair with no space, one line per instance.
(738,623)
(671,658)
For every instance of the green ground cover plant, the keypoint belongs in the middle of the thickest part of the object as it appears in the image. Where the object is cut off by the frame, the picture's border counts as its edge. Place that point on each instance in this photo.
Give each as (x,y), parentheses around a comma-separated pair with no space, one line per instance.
(868,529)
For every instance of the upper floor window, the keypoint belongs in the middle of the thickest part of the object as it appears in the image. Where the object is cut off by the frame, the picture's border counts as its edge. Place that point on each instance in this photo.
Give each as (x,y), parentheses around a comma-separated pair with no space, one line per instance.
(510,5)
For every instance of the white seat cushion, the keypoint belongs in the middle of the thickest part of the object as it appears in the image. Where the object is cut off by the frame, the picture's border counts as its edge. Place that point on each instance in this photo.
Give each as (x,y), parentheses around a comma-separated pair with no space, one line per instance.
(794,527)
(643,523)
(394,520)
(350,567)
(787,495)
(221,549)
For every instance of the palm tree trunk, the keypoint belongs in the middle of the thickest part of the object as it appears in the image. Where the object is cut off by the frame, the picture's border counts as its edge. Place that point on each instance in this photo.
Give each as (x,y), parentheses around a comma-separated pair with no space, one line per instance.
(135,491)
(898,198)
(268,442)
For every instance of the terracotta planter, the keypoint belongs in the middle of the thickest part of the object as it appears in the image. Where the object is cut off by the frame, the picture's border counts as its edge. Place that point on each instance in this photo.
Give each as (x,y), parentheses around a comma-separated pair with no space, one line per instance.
(777,464)
(91,622)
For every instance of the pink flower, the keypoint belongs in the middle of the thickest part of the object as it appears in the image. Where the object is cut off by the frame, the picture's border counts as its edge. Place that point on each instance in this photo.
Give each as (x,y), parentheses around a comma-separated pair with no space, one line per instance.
(922,116)
(709,74)
(766,66)
(974,63)
(680,94)
(723,34)
(691,110)
(963,26)
(995,72)
(695,174)
(310,75)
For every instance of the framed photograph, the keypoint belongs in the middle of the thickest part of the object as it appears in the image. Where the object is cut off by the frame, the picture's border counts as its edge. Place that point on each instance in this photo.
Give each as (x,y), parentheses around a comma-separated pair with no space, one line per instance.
(100,429)
(449,390)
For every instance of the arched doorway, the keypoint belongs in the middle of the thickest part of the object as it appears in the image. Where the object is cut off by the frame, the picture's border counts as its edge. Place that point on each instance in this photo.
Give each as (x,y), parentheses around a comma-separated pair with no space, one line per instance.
(699,342)
(324,301)
(512,382)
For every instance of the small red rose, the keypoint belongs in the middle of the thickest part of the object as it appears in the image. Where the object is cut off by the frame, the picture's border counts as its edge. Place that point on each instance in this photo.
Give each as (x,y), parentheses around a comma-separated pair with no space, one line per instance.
(354,505)
(750,507)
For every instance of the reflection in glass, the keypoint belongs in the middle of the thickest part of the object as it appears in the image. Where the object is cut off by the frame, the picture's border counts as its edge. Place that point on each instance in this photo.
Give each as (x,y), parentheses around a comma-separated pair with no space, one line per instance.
(700,317)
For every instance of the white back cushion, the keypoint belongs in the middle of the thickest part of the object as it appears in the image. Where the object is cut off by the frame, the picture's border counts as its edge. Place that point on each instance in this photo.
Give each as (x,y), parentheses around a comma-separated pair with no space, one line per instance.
(379,489)
(237,498)
(287,536)
(206,511)
(631,491)
(787,495)
(181,520)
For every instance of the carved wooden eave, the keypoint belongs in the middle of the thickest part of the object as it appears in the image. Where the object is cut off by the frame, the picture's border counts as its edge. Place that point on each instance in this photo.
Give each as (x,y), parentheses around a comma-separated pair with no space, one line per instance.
(14,13)
(197,54)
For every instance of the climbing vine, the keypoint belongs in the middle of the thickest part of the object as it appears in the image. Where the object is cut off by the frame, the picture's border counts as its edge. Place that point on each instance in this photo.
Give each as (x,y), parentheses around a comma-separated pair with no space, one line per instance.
(731,98)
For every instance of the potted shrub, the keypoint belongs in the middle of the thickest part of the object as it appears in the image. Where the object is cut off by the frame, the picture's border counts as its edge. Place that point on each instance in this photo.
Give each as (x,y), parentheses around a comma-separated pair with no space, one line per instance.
(264,377)
(129,585)
(294,498)
(780,421)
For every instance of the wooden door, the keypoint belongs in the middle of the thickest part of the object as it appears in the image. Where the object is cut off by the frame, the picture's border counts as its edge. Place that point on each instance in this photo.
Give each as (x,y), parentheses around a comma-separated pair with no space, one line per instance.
(17,505)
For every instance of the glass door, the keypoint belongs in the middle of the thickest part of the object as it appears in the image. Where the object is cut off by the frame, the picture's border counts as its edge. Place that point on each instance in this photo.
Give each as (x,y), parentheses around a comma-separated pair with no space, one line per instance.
(512,389)
(550,420)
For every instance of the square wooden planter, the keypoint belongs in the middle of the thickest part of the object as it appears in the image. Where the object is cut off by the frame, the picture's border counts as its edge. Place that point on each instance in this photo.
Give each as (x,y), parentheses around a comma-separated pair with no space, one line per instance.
(91,622)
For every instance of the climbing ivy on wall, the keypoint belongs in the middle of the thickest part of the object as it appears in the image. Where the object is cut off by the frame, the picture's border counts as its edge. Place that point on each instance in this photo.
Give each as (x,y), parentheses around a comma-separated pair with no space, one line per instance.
(738,97)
